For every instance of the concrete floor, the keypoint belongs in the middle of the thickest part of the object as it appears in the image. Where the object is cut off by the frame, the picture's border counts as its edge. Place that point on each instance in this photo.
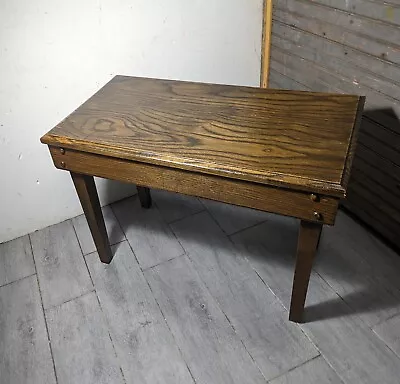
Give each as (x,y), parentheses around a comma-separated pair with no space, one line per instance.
(197,292)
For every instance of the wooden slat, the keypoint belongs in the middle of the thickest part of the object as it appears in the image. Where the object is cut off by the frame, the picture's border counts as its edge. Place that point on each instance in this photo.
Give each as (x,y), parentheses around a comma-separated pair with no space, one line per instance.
(367,213)
(350,46)
(278,80)
(365,34)
(370,180)
(387,181)
(258,196)
(358,76)
(388,12)
(372,199)
(318,77)
(382,164)
(323,47)
(383,134)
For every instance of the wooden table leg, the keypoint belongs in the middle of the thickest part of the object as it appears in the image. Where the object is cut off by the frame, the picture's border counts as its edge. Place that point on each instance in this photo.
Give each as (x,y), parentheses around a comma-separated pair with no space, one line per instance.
(86,190)
(306,249)
(144,196)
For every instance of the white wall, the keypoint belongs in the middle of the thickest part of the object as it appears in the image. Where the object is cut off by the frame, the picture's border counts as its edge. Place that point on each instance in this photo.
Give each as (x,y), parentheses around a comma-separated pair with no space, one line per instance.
(54,54)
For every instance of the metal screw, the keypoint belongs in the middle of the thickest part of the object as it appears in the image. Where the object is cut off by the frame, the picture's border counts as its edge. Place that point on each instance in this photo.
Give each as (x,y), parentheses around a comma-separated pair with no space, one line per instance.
(63,164)
(62,150)
(314,197)
(317,216)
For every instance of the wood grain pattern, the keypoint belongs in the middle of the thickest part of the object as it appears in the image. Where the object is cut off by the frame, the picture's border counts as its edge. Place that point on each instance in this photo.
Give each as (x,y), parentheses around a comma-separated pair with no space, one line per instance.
(294,139)
(349,46)
(252,195)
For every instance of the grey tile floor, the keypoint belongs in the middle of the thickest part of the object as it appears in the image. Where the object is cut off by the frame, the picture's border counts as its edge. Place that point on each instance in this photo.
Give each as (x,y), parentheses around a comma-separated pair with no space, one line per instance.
(198,292)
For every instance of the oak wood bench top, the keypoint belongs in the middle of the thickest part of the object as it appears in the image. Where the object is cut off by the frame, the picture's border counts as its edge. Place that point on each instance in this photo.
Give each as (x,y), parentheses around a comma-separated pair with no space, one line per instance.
(297,140)
(284,152)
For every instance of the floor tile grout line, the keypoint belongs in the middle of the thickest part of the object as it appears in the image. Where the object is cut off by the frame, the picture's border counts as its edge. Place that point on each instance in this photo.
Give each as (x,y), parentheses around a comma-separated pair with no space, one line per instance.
(97,296)
(383,341)
(83,255)
(123,231)
(69,300)
(163,315)
(227,319)
(43,311)
(397,314)
(111,245)
(349,306)
(109,335)
(297,366)
(162,262)
(202,209)
(256,273)
(16,281)
(240,230)
(359,323)
(204,283)
(299,326)
(152,293)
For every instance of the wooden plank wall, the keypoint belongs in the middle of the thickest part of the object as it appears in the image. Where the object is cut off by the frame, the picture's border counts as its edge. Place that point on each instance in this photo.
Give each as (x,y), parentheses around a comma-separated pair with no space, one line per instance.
(350,46)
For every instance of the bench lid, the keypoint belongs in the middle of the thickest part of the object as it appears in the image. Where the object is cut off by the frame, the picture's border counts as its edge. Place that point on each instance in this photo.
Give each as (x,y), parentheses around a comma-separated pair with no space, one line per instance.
(292,139)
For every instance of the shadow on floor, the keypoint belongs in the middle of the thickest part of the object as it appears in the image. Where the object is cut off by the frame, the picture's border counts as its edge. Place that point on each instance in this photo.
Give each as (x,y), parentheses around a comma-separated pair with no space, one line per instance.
(338,262)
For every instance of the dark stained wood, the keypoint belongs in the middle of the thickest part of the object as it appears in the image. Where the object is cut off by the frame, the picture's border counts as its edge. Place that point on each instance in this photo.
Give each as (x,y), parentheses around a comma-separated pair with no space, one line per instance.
(352,143)
(238,192)
(144,196)
(292,139)
(86,190)
(307,244)
(350,46)
(278,151)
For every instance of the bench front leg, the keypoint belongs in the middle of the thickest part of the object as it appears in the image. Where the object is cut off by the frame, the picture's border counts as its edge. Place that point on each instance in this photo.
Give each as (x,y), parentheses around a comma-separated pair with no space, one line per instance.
(87,193)
(308,240)
(144,196)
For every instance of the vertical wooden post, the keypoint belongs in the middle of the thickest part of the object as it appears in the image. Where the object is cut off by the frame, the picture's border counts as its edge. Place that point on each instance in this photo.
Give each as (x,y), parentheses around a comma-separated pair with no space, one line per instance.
(266,43)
